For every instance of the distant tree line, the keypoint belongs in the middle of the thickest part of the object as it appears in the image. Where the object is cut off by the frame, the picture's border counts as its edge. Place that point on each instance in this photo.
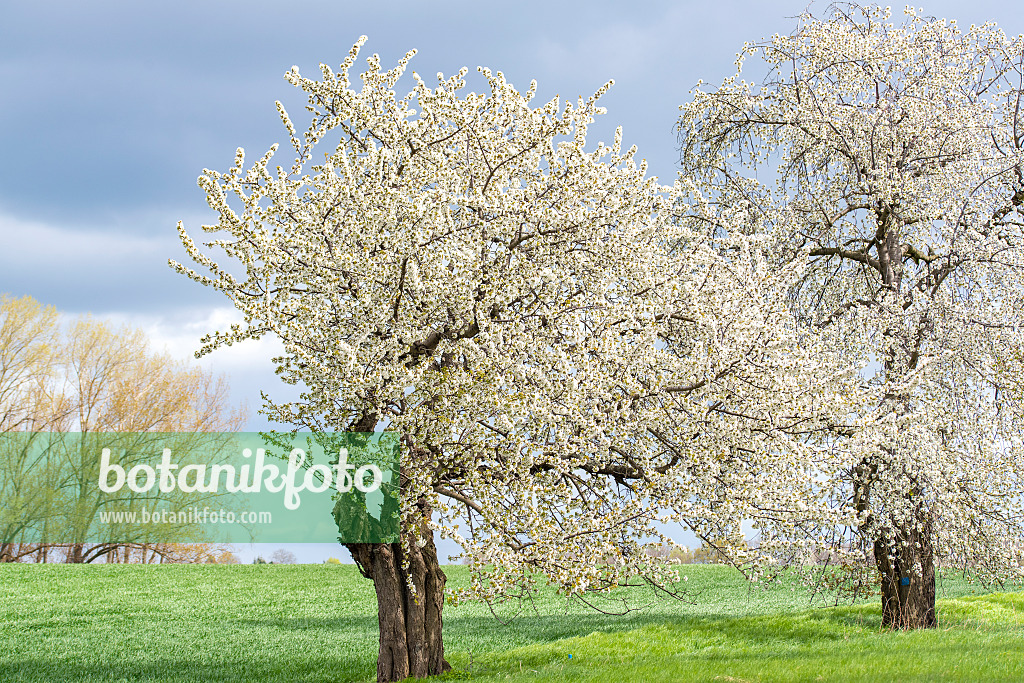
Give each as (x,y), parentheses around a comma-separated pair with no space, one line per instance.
(121,553)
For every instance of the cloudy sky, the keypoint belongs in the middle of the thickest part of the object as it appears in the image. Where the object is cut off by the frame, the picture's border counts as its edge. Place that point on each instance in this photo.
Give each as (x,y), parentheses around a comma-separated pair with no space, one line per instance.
(110,110)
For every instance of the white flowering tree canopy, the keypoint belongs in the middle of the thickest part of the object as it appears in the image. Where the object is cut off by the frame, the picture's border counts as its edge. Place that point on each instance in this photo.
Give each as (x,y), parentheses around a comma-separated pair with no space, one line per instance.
(530,316)
(888,159)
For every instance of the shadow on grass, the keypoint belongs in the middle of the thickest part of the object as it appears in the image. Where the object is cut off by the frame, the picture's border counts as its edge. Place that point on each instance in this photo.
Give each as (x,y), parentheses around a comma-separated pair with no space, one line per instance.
(788,639)
(240,668)
(480,633)
(345,624)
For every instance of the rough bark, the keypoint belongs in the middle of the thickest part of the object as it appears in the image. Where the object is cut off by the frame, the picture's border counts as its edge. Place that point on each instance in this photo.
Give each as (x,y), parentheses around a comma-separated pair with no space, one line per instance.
(410,623)
(906,565)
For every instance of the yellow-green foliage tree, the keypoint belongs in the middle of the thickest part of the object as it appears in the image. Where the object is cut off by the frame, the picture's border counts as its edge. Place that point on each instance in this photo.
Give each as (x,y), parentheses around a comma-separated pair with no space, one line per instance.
(85,375)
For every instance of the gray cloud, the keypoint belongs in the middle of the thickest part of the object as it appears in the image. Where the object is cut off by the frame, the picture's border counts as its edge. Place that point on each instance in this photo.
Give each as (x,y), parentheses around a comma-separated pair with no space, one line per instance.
(111,109)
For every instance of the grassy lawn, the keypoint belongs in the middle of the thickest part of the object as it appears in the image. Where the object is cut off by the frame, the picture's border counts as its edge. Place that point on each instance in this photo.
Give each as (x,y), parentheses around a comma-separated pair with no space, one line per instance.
(318,623)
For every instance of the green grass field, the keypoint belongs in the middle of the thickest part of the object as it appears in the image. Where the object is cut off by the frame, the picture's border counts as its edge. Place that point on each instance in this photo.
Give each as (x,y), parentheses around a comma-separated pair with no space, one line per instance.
(273,623)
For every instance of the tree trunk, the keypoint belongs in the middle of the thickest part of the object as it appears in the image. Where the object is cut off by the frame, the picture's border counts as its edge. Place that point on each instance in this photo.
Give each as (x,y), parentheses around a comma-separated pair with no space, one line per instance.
(76,554)
(907,568)
(410,623)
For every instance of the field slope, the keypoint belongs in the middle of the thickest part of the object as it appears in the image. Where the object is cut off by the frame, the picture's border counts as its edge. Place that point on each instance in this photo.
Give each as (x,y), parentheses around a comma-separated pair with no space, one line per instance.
(272,623)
